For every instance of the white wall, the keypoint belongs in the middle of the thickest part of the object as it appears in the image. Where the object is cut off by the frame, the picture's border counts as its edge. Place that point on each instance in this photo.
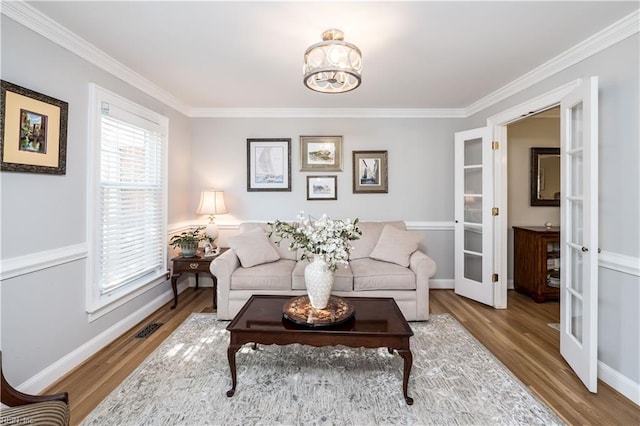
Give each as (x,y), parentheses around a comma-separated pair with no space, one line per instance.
(524,135)
(420,153)
(43,315)
(618,70)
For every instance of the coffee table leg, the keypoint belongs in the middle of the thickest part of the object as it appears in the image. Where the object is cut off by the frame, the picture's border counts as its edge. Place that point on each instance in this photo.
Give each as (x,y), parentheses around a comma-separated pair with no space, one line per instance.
(408,362)
(231,356)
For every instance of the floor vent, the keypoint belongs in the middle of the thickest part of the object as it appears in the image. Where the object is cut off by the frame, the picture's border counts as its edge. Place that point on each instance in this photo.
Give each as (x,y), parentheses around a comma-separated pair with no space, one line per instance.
(146,332)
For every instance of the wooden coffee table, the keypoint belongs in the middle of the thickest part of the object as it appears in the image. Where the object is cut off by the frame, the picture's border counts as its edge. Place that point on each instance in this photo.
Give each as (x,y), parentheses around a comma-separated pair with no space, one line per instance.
(377,323)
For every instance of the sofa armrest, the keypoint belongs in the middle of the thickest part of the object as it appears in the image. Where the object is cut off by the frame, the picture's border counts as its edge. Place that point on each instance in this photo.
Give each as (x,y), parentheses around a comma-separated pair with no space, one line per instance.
(222,267)
(424,267)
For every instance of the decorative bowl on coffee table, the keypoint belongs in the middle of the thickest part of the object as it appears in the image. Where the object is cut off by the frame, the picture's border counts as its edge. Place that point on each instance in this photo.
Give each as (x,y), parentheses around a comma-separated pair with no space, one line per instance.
(300,311)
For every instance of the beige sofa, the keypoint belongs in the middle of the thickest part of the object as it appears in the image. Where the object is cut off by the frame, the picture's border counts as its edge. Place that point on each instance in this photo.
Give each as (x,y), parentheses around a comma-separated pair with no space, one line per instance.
(384,262)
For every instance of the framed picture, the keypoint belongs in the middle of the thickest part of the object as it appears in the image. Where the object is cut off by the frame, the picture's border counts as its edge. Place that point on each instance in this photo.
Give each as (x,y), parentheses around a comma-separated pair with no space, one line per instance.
(322,187)
(370,172)
(33,131)
(321,153)
(269,164)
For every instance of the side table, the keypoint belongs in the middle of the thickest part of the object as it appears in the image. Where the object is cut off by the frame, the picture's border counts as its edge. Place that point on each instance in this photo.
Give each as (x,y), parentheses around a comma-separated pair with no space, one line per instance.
(195,264)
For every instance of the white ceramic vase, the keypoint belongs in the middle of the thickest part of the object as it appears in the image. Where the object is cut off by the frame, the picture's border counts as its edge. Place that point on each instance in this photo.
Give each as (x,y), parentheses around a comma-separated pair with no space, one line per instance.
(319,281)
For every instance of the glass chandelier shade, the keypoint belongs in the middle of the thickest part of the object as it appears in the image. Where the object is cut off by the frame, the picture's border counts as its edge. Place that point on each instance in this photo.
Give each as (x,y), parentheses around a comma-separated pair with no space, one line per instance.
(333,65)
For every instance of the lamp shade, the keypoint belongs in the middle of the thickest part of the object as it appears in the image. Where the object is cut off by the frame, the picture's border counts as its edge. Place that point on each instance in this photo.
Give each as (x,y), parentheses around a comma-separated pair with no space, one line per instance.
(212,203)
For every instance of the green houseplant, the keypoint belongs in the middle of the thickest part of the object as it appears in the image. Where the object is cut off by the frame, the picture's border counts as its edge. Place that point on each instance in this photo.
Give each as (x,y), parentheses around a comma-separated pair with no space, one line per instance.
(188,241)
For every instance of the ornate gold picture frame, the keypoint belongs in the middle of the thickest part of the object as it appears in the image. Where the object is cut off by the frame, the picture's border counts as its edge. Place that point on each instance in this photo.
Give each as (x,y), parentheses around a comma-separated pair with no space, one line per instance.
(33,131)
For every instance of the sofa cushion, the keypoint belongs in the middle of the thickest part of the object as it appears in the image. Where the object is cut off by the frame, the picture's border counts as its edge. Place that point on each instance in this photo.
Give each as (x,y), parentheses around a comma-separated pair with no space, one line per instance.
(343,277)
(370,274)
(282,248)
(268,276)
(395,245)
(253,248)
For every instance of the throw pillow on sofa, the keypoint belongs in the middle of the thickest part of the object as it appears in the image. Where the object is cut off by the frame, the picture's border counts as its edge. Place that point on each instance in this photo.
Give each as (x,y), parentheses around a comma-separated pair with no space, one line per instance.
(395,245)
(363,246)
(253,248)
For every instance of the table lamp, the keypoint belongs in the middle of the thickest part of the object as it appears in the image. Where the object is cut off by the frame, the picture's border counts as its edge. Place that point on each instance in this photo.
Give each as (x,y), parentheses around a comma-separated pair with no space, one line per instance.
(212,203)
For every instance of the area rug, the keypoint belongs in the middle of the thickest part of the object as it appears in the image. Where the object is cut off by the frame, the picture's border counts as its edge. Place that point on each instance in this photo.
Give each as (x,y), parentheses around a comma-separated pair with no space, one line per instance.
(454,380)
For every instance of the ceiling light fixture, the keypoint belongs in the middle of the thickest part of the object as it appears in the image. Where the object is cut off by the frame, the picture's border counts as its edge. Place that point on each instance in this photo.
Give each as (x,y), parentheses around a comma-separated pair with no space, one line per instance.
(333,65)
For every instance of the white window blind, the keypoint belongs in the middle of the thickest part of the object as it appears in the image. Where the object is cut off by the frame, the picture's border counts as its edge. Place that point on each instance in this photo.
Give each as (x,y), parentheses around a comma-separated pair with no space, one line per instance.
(131,193)
(129,185)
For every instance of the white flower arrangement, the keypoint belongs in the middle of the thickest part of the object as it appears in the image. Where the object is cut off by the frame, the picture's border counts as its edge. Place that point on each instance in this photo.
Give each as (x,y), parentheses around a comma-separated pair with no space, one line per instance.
(324,238)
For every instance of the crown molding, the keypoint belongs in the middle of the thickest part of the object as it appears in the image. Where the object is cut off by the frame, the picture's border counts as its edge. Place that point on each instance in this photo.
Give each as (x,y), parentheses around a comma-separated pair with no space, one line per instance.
(618,31)
(33,19)
(327,113)
(38,22)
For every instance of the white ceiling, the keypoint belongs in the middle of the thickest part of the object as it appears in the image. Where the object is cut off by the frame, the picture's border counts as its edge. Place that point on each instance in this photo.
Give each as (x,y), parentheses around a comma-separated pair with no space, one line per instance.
(419,54)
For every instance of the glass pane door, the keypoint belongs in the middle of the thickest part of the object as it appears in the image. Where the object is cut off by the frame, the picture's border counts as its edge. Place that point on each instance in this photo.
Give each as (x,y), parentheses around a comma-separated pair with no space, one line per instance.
(473,257)
(579,232)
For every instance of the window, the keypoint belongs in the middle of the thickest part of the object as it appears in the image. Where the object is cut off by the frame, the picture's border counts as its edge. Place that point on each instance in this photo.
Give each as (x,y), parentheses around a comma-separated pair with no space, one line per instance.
(127,223)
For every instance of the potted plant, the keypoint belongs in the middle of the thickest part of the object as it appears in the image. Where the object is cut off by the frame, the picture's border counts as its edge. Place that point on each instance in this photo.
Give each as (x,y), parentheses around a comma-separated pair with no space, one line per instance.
(188,241)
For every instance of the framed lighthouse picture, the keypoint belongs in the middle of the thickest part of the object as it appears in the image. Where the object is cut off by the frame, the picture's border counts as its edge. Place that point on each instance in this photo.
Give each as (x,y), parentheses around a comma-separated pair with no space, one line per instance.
(370,172)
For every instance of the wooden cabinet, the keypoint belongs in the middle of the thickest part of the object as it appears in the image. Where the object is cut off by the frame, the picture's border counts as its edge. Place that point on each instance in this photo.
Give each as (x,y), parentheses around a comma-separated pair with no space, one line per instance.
(536,262)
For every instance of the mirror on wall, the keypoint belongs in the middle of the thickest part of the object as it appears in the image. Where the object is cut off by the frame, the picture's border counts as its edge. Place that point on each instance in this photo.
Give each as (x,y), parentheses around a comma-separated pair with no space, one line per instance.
(545,177)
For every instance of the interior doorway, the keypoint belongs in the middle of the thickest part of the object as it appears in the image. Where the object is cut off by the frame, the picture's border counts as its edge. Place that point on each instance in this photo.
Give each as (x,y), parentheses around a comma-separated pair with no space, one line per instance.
(533,170)
(528,185)
(578,102)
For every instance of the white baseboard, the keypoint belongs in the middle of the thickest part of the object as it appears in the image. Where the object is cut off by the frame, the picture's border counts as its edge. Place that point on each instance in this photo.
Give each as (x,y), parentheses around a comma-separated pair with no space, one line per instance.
(441,284)
(619,382)
(448,284)
(64,365)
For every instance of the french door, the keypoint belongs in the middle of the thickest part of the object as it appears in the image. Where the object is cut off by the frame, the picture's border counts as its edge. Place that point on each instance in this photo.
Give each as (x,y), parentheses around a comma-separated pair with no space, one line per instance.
(474,254)
(473,215)
(579,236)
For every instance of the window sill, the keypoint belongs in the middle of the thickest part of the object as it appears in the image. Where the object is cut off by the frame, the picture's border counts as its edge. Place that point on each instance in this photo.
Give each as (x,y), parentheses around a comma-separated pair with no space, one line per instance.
(109,302)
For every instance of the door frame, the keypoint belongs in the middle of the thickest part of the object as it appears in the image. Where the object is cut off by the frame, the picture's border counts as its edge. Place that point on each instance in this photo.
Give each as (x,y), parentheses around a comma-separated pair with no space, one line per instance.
(498,123)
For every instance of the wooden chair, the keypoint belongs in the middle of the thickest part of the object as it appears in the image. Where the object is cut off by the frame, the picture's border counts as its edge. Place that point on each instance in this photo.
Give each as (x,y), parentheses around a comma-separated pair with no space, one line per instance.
(32,409)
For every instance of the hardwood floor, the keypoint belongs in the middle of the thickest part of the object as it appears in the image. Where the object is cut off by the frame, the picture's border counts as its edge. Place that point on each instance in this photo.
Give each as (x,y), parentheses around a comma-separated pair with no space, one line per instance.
(519,336)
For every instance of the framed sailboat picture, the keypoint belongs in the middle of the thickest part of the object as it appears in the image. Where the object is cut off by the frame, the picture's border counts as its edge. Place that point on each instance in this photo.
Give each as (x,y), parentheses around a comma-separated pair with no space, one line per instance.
(269,164)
